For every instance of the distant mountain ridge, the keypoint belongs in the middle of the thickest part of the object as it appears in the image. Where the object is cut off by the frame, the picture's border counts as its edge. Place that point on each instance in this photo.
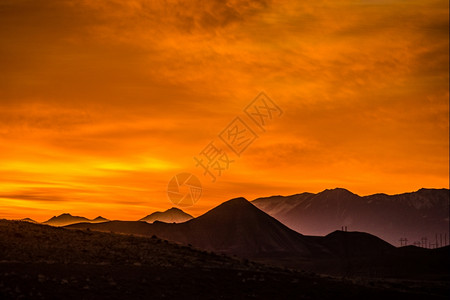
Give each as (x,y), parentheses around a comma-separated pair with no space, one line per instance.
(415,215)
(412,216)
(100,219)
(28,220)
(68,219)
(172,215)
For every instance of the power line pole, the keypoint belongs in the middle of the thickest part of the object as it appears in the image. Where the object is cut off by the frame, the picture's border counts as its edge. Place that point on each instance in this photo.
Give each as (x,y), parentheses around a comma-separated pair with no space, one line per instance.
(424,242)
(403,242)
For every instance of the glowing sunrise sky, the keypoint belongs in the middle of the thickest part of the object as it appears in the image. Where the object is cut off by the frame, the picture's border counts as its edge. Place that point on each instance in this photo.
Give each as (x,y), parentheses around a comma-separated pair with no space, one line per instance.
(103,102)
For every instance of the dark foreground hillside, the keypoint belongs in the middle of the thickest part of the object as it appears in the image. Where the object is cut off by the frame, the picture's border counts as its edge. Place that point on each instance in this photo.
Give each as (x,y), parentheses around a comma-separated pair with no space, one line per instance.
(43,262)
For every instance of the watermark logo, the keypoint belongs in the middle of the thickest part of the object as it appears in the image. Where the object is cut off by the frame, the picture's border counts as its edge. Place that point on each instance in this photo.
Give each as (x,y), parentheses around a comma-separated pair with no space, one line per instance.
(262,110)
(214,159)
(184,189)
(238,136)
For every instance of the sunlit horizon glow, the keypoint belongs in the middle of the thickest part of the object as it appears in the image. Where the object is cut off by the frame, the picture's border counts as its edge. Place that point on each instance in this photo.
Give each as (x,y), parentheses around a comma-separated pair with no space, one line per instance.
(103,102)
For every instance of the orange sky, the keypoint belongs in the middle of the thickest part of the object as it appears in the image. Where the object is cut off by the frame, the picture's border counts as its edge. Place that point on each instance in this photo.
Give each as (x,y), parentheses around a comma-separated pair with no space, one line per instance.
(102,102)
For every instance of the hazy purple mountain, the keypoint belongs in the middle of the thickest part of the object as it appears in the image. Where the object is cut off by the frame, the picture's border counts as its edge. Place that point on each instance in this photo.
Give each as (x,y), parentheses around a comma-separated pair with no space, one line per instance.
(238,227)
(424,213)
(68,219)
(172,215)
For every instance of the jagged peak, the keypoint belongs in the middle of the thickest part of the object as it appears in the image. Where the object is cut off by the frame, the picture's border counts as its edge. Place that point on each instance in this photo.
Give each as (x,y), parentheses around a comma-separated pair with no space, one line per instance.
(65,214)
(175,209)
(231,206)
(337,191)
(237,201)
